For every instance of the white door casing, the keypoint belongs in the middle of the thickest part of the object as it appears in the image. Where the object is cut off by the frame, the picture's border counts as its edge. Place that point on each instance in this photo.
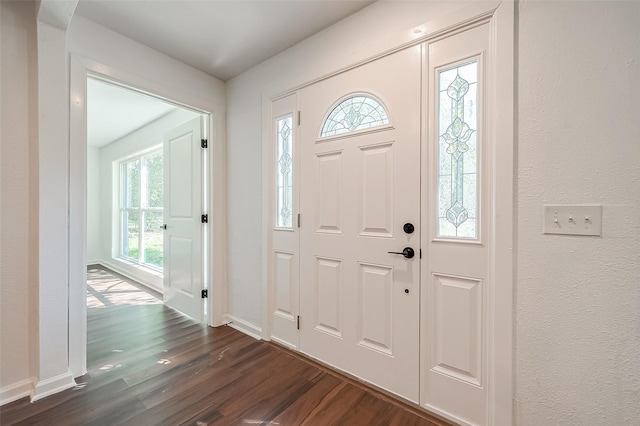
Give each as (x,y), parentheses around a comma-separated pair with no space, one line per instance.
(183,236)
(359,304)
(284,258)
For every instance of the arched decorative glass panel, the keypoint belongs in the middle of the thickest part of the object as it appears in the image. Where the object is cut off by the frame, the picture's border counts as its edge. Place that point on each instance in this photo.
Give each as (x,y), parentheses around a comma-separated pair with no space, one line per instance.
(457,151)
(354,113)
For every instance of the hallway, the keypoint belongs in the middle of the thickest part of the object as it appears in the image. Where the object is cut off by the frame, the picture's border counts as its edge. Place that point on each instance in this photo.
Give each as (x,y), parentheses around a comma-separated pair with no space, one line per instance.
(150,365)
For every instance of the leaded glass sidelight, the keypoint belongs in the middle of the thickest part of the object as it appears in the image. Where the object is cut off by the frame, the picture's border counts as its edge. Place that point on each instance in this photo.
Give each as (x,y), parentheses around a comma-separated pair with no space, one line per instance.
(354,113)
(284,167)
(457,151)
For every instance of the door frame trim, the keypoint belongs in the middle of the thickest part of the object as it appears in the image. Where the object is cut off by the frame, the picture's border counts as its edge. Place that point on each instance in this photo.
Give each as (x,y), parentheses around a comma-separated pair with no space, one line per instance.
(502,15)
(215,269)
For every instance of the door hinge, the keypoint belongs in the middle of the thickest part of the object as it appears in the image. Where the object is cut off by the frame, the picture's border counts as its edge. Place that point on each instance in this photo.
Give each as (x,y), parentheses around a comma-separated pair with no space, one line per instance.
(298,118)
(420,253)
(298,220)
(204,294)
(204,143)
(298,320)
(204,218)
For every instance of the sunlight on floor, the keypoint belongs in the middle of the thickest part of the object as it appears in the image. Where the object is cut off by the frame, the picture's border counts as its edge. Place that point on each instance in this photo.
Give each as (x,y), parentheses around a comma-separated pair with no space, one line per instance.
(104,289)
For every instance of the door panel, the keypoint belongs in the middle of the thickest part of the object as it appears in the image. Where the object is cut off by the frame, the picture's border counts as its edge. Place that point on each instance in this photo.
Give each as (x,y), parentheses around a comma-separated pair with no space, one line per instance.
(329,183)
(183,271)
(455,270)
(359,304)
(284,257)
(376,190)
(328,292)
(285,285)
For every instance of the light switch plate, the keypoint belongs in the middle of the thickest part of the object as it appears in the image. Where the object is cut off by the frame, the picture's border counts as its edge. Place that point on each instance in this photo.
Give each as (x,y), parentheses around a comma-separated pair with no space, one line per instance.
(573,219)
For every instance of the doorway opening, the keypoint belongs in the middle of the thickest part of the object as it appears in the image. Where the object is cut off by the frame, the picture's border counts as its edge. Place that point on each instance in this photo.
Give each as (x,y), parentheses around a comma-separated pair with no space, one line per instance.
(140,149)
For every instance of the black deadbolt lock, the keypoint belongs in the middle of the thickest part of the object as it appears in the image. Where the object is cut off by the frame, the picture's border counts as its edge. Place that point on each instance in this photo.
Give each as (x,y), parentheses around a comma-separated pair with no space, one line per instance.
(408,228)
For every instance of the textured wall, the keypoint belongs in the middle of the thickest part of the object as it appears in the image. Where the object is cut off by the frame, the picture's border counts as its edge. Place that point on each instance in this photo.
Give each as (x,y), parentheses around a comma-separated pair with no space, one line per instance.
(18,150)
(578,298)
(355,38)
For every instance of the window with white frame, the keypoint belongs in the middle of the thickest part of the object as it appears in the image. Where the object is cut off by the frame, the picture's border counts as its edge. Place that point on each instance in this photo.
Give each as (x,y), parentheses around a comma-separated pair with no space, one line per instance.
(141,209)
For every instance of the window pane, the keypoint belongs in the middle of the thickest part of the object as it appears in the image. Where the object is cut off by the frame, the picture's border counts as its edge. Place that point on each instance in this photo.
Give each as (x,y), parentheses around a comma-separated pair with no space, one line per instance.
(284,163)
(131,228)
(131,184)
(152,239)
(355,113)
(154,190)
(457,151)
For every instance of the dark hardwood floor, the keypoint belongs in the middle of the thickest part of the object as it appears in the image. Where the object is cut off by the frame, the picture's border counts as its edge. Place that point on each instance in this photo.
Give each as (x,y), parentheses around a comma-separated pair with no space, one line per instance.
(150,365)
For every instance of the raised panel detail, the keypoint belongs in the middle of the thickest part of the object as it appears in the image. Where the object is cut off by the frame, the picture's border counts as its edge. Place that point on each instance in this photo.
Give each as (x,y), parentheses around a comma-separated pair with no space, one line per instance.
(180,264)
(457,308)
(375,322)
(376,207)
(180,177)
(328,292)
(284,300)
(329,193)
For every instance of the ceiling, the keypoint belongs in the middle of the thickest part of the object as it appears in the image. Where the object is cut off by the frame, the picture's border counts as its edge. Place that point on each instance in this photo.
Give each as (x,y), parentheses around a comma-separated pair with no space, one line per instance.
(113,112)
(221,38)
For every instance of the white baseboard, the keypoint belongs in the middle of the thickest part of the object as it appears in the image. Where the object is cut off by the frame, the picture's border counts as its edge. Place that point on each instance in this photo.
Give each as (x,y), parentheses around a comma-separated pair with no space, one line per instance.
(94,262)
(16,391)
(53,385)
(139,278)
(244,326)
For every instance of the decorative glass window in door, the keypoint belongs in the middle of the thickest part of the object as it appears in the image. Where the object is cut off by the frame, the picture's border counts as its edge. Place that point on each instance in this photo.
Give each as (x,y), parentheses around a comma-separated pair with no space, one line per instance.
(458,151)
(284,171)
(354,113)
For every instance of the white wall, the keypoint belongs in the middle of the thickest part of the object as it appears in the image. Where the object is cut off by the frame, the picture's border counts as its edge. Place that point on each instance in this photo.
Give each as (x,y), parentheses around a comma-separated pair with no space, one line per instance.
(135,142)
(18,204)
(372,30)
(94,229)
(97,50)
(35,324)
(120,56)
(578,298)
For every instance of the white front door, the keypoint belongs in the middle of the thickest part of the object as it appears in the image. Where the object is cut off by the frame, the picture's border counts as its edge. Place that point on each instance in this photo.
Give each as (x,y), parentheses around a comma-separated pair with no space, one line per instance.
(359,304)
(183,237)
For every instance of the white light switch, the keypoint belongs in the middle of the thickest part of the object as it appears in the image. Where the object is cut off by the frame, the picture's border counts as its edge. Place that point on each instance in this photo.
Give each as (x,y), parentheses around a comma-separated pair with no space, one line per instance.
(573,219)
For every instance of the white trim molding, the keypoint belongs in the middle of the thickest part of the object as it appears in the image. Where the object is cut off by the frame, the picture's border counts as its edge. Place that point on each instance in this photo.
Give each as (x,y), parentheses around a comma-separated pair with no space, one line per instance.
(81,68)
(138,278)
(16,391)
(244,326)
(53,385)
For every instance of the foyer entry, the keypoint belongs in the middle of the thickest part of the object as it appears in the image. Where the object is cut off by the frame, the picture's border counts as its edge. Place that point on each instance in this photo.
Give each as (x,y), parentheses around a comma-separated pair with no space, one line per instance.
(389,180)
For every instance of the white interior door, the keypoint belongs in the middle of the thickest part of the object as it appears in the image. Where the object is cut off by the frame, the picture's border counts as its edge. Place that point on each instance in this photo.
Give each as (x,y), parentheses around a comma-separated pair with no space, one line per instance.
(359,304)
(183,237)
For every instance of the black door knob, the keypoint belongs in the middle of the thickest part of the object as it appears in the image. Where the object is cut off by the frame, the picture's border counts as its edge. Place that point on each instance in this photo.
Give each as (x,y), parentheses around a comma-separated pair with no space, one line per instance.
(409,228)
(408,252)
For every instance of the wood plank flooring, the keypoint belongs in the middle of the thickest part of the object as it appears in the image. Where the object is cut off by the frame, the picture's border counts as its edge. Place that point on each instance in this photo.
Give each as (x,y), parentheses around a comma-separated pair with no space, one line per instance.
(150,365)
